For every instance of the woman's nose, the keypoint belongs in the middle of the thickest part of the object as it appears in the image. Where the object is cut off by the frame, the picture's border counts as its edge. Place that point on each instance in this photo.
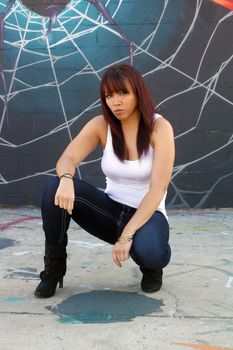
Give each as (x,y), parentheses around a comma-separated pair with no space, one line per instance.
(116,100)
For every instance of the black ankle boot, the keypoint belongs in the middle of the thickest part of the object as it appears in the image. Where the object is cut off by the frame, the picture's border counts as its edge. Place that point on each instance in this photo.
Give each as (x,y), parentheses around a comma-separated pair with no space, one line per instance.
(151,280)
(55,269)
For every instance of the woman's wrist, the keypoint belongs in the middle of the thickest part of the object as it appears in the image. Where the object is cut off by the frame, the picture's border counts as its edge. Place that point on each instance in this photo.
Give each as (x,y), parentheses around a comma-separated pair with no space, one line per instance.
(126,238)
(67,176)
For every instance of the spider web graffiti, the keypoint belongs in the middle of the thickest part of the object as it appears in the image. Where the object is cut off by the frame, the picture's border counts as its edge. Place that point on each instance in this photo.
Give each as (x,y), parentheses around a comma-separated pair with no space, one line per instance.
(52,89)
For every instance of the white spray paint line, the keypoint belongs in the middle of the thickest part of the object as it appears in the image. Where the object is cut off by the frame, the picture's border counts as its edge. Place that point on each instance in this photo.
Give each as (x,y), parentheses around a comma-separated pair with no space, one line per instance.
(88,245)
(87,286)
(26,253)
(229,282)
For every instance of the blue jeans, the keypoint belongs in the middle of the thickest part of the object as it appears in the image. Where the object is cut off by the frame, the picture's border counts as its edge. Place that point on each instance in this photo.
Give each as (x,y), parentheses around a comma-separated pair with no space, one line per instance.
(104,218)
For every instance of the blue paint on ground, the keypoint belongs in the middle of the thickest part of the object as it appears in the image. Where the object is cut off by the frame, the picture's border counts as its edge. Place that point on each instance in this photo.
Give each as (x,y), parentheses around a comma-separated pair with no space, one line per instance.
(30,269)
(23,275)
(6,242)
(106,306)
(12,299)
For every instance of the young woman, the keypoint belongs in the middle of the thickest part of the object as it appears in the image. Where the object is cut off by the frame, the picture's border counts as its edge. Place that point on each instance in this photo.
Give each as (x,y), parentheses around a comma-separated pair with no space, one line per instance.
(138,156)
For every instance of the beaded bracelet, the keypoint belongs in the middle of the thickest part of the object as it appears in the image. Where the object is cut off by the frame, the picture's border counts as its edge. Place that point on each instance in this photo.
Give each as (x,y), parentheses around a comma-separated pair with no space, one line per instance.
(67,176)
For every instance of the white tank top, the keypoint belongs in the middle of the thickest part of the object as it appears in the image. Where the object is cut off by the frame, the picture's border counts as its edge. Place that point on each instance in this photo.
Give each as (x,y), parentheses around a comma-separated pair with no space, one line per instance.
(128,181)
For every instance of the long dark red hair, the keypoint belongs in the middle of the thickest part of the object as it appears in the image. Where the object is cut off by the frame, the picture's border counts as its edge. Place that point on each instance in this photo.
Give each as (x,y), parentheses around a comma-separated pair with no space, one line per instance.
(114,80)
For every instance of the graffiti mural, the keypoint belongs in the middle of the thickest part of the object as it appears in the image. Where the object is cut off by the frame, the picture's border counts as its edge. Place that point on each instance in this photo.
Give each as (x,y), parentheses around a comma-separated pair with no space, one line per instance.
(52,58)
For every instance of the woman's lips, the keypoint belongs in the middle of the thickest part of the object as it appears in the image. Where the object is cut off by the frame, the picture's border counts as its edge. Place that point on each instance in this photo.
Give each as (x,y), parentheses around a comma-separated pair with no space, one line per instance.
(118,111)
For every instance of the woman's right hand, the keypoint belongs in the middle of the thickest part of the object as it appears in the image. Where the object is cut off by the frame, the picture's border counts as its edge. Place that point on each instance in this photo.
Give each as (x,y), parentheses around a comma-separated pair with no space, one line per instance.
(64,196)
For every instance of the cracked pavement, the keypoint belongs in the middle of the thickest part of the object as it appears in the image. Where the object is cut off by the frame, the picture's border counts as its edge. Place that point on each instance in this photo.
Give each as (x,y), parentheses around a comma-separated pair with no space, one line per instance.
(101,306)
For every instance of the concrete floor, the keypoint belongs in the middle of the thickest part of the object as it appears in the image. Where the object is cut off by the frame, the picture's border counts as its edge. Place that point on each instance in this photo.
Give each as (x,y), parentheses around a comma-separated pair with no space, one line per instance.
(101,306)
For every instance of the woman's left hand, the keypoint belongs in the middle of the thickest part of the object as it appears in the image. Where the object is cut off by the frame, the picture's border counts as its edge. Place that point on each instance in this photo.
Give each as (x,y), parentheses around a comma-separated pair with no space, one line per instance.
(120,252)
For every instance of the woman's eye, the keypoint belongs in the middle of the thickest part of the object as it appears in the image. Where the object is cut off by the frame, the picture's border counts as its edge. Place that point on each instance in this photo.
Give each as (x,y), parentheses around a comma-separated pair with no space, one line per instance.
(122,93)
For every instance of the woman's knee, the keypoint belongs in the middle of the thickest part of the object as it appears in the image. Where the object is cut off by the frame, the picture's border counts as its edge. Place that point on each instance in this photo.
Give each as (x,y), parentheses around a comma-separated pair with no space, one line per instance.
(82,188)
(150,247)
(151,257)
(50,190)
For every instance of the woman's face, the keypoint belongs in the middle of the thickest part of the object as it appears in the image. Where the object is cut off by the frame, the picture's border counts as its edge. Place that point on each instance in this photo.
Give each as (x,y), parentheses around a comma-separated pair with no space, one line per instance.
(123,104)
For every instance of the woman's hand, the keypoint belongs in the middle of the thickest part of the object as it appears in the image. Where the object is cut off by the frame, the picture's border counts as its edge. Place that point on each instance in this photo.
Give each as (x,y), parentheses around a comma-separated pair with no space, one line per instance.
(64,196)
(120,252)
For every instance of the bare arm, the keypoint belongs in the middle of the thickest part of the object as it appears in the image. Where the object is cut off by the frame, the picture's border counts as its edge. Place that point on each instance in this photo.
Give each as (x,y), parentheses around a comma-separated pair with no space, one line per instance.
(163,141)
(82,145)
(160,177)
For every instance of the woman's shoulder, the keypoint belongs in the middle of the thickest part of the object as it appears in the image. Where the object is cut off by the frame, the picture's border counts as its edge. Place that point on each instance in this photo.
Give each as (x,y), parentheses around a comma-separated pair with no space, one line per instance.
(101,127)
(161,122)
(162,129)
(99,121)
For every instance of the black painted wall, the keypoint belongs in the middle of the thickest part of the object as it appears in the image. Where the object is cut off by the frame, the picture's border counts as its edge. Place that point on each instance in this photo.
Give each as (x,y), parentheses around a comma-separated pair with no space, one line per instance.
(184,49)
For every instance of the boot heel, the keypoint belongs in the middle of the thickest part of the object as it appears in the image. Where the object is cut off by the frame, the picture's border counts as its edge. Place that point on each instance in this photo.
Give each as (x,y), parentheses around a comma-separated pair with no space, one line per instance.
(61,282)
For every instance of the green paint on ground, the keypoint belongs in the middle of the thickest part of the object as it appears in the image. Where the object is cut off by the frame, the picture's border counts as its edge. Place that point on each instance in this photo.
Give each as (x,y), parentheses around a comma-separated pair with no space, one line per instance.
(105,306)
